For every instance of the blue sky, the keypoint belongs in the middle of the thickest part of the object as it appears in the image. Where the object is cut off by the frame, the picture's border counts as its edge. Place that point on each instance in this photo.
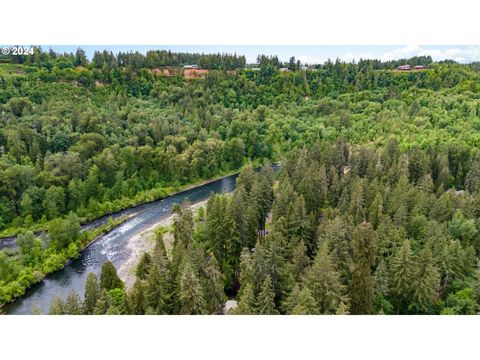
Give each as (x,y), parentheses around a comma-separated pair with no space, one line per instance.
(306,54)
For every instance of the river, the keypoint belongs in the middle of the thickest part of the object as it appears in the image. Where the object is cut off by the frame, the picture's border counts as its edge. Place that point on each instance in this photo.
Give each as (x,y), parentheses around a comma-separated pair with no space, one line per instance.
(110,246)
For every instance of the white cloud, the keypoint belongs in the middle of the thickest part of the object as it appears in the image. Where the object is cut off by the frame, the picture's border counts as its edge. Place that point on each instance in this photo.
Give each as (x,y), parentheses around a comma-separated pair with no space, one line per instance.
(402,53)
(468,54)
(349,57)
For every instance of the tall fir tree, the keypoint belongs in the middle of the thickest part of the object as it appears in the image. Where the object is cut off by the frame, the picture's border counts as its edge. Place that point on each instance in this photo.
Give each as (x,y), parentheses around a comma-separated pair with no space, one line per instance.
(427,282)
(57,307)
(103,303)
(109,278)
(191,293)
(364,241)
(301,302)
(214,287)
(402,277)
(246,302)
(91,294)
(157,292)
(266,299)
(324,283)
(73,304)
(136,298)
(143,266)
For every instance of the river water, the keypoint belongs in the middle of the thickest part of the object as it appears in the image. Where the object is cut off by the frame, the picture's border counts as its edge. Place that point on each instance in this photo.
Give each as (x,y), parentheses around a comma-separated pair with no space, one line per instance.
(111,246)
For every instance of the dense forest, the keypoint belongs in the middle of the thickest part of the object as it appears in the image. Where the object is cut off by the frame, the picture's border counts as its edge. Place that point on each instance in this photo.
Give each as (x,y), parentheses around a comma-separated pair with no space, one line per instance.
(375,209)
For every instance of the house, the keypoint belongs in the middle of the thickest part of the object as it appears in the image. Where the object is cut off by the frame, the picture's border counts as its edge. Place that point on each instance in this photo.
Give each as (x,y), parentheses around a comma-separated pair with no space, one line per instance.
(192,66)
(421,67)
(404,67)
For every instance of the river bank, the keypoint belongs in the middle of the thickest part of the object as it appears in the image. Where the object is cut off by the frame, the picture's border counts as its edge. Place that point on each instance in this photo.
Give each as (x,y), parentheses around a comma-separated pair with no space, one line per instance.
(145,242)
(97,233)
(8,239)
(121,246)
(117,247)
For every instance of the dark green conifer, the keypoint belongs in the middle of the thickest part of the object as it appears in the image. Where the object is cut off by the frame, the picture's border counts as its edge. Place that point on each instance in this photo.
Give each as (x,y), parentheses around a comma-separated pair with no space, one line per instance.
(57,307)
(191,294)
(266,299)
(109,278)
(91,295)
(364,242)
(73,305)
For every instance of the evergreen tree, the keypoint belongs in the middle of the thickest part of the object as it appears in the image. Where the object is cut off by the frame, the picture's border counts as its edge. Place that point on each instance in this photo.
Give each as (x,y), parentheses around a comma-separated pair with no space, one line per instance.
(375,212)
(57,307)
(297,223)
(324,283)
(80,58)
(214,292)
(143,266)
(364,241)
(306,304)
(246,179)
(301,302)
(246,303)
(300,261)
(136,299)
(402,277)
(427,282)
(157,291)
(191,294)
(109,278)
(92,293)
(182,226)
(103,303)
(265,299)
(247,271)
(284,196)
(336,234)
(73,305)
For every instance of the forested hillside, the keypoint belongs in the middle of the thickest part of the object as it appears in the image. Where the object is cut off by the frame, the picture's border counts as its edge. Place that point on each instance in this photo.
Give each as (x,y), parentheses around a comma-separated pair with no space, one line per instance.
(376,208)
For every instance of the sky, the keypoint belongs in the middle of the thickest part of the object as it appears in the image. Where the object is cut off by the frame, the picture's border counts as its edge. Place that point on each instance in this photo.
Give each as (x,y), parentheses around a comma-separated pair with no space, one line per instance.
(309,54)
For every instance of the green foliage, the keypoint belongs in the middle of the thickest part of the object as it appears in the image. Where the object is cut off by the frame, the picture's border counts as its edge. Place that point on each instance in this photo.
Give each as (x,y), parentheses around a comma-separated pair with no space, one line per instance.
(136,299)
(214,287)
(143,266)
(402,273)
(57,307)
(462,302)
(109,278)
(192,298)
(246,303)
(364,241)
(265,299)
(73,304)
(301,302)
(91,294)
(63,232)
(323,281)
